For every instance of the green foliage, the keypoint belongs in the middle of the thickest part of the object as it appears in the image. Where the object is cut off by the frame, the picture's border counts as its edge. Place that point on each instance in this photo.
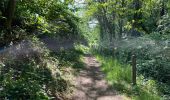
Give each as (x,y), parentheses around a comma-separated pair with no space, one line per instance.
(164,25)
(48,16)
(114,70)
(15,84)
(35,76)
(35,73)
(115,20)
(39,17)
(119,76)
(120,22)
(70,58)
(91,34)
(121,18)
(16,35)
(152,63)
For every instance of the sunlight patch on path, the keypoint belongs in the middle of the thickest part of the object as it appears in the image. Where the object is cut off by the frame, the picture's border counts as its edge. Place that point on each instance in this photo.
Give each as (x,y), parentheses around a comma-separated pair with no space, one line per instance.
(91,85)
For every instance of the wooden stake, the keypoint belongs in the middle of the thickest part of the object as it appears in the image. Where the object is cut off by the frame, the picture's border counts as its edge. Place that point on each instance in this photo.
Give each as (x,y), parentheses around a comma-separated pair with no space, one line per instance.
(133,69)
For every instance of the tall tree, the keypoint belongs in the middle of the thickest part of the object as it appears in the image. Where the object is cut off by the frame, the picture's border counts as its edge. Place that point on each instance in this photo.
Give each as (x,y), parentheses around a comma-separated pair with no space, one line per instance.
(10,13)
(138,18)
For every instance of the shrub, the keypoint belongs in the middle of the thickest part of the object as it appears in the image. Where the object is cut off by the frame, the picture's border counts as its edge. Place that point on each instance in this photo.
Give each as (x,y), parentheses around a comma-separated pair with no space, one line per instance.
(32,75)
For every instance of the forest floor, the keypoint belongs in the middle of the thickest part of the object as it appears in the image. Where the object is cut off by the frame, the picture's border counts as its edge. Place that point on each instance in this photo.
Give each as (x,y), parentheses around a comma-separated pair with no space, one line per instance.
(91,85)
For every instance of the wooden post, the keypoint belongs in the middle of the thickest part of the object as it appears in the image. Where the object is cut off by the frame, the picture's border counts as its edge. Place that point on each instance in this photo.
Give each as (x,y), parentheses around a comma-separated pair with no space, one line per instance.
(133,69)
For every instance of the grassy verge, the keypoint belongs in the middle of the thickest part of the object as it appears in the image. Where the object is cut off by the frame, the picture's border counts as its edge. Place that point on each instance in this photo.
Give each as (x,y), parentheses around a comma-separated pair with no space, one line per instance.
(38,73)
(119,76)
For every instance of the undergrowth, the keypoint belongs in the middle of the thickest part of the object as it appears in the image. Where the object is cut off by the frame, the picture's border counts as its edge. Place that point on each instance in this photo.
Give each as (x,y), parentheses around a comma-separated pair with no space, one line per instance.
(119,76)
(30,71)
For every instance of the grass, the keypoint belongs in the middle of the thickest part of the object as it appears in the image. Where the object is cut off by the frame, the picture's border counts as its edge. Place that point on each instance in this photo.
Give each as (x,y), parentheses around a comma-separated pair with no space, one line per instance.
(71,58)
(119,76)
(115,71)
(40,78)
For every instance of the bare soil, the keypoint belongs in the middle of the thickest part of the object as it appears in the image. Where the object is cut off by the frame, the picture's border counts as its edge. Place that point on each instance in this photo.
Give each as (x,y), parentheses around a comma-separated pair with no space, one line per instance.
(91,85)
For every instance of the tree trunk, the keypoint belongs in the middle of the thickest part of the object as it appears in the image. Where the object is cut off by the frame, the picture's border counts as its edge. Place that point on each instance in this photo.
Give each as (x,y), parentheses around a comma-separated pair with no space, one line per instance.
(121,20)
(137,17)
(10,13)
(162,8)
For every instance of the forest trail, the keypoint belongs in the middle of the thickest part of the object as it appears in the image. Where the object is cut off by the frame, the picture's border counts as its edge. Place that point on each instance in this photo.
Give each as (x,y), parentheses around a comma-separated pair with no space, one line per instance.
(91,85)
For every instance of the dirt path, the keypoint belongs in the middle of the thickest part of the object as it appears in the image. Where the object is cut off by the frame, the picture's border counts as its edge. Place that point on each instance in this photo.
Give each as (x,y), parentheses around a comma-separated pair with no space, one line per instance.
(90,83)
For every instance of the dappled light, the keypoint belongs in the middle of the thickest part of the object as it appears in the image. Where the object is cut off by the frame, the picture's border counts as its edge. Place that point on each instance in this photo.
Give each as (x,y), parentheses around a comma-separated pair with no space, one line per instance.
(90,84)
(84,49)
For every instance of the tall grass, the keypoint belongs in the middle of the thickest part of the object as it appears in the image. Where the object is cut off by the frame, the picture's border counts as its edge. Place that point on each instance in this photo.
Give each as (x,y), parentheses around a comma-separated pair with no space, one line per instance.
(115,71)
(119,76)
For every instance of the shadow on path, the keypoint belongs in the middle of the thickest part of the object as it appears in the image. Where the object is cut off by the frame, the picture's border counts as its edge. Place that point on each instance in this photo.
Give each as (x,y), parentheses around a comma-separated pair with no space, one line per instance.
(90,83)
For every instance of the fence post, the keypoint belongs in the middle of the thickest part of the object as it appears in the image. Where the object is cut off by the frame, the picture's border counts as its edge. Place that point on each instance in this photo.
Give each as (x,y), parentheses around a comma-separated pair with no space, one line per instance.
(133,69)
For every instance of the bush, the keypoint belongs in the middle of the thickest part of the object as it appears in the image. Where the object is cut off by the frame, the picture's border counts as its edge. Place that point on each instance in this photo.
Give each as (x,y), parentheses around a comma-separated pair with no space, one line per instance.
(152,55)
(32,75)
